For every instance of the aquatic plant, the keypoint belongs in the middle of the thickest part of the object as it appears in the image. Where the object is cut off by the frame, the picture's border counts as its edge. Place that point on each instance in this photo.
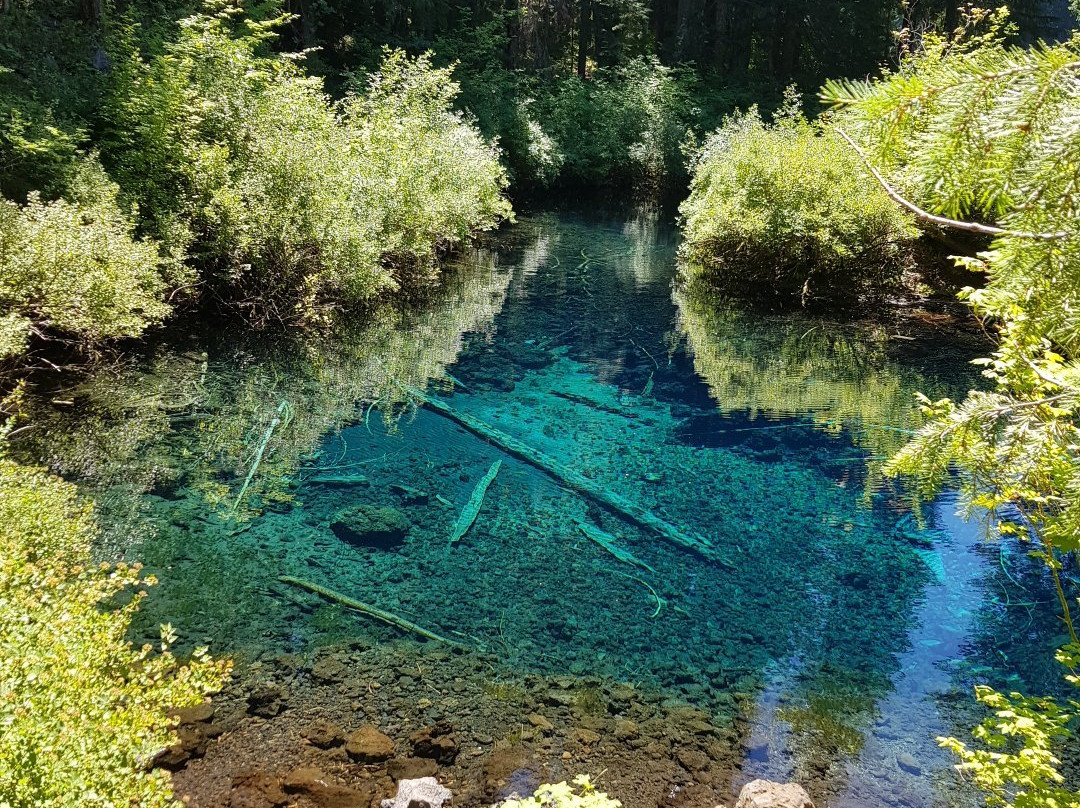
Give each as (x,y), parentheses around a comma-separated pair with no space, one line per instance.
(82,712)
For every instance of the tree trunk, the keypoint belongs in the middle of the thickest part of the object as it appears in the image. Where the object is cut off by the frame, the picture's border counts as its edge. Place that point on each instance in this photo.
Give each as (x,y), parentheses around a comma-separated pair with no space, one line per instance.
(584,29)
(952,17)
(92,10)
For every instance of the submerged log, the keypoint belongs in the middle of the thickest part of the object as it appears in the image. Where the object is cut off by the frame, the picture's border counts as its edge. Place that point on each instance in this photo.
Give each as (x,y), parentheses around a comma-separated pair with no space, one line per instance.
(571,479)
(608,542)
(363,608)
(596,405)
(472,507)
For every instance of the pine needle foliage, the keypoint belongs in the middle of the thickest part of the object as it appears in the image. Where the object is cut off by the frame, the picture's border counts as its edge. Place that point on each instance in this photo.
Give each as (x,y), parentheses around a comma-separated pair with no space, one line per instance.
(988,135)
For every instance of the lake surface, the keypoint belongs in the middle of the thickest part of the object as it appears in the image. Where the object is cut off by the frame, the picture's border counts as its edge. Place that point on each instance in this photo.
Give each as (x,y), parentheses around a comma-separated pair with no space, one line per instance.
(776,581)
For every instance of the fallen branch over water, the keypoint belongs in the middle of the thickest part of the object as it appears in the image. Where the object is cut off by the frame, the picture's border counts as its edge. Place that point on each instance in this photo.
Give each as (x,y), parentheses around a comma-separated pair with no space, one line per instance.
(571,479)
(363,608)
(472,507)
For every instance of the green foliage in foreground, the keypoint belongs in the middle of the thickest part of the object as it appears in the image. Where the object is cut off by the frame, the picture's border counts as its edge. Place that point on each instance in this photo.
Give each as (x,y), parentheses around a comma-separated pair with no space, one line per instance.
(786,210)
(81,711)
(565,795)
(73,267)
(986,131)
(289,201)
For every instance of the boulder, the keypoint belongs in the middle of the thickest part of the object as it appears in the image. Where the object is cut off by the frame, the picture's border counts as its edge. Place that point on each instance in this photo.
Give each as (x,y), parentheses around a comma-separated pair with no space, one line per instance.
(318,787)
(693,760)
(539,722)
(324,734)
(368,745)
(435,742)
(191,741)
(266,699)
(202,712)
(767,794)
(329,670)
(256,789)
(376,526)
(425,792)
(411,768)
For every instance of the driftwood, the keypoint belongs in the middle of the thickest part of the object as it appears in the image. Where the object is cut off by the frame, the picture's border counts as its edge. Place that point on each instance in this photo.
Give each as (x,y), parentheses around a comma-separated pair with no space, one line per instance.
(282,416)
(573,480)
(472,507)
(363,608)
(608,542)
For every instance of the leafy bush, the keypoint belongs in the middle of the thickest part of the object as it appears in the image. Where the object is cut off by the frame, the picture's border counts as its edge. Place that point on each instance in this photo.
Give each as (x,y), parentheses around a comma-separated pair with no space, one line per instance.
(624,126)
(82,712)
(291,201)
(73,267)
(786,209)
(429,178)
(48,82)
(565,795)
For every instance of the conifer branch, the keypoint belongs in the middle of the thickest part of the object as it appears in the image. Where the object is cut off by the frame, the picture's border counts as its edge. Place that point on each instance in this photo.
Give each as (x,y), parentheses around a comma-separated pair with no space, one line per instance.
(956,224)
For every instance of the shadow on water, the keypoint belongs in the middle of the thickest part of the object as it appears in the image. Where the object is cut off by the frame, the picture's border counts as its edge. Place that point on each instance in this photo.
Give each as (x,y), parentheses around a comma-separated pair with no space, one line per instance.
(835,640)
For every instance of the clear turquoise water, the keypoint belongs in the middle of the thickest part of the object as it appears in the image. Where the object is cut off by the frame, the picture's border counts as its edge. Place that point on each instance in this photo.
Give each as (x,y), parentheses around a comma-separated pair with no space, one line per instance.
(844,631)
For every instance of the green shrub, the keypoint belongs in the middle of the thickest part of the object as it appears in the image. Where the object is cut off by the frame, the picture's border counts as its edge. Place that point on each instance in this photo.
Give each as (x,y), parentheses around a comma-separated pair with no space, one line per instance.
(73,268)
(565,795)
(291,202)
(430,179)
(82,712)
(786,209)
(624,126)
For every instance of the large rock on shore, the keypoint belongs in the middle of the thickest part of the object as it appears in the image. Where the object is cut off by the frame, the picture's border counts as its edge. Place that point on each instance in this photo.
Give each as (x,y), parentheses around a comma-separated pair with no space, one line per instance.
(767,794)
(325,792)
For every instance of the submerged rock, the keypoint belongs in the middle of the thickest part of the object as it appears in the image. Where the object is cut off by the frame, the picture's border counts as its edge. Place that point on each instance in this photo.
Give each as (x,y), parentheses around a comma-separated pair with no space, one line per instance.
(266,699)
(907,762)
(426,792)
(435,742)
(376,526)
(767,794)
(368,745)
(323,791)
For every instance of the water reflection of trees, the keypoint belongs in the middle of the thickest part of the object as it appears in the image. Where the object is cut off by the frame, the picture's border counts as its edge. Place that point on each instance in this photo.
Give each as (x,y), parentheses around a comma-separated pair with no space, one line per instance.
(844,378)
(195,411)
